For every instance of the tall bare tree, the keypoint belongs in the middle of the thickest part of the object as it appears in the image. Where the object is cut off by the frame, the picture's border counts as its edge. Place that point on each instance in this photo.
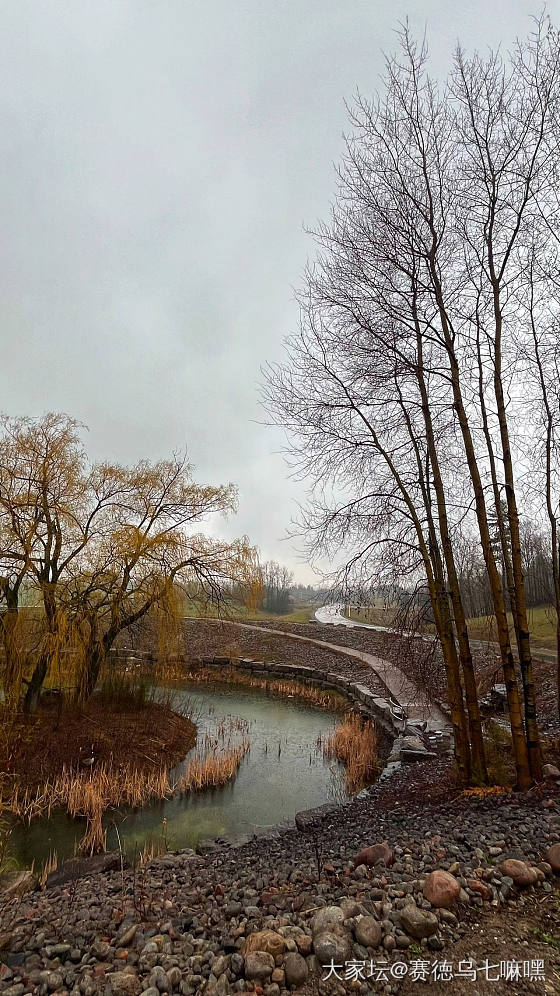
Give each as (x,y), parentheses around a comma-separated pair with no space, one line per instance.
(418,278)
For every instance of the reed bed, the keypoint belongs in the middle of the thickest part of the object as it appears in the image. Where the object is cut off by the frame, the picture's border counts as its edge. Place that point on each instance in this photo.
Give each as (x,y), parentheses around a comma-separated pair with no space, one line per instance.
(90,794)
(213,771)
(354,743)
(284,688)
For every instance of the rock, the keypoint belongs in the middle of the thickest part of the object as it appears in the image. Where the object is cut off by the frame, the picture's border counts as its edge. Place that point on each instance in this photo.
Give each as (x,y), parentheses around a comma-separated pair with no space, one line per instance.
(265,940)
(125,938)
(475,885)
(310,819)
(296,969)
(15,884)
(551,773)
(325,919)
(552,857)
(368,932)
(52,980)
(521,873)
(259,965)
(100,949)
(233,909)
(159,979)
(304,944)
(175,975)
(418,923)
(376,852)
(332,945)
(441,889)
(5,941)
(237,964)
(76,868)
(124,984)
(435,943)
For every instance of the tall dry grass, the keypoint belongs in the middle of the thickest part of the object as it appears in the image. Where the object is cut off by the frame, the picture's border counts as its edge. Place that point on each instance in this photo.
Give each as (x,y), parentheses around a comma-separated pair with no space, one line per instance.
(212,771)
(354,743)
(91,794)
(283,687)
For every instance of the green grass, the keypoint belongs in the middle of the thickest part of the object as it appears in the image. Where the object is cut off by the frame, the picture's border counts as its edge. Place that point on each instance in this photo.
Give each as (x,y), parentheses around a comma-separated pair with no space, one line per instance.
(542,625)
(242,614)
(546,938)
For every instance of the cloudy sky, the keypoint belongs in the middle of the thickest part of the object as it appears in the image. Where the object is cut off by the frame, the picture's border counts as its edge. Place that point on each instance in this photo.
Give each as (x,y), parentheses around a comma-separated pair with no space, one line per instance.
(160,159)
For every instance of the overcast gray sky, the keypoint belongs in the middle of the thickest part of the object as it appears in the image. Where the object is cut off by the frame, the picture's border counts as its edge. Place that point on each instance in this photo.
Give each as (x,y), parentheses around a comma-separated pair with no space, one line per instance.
(159,161)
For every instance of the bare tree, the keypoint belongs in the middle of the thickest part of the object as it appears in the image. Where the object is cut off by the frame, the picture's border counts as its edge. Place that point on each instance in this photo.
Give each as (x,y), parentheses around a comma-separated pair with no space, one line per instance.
(412,310)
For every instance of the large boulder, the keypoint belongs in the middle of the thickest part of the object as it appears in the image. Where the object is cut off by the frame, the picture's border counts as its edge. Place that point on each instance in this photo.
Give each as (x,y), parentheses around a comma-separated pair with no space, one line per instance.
(418,923)
(368,932)
(327,918)
(259,965)
(441,889)
(370,856)
(521,873)
(552,856)
(265,940)
(333,945)
(295,969)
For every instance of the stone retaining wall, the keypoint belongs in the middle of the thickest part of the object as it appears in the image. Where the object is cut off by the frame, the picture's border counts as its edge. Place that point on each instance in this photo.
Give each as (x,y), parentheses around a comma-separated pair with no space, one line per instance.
(388,717)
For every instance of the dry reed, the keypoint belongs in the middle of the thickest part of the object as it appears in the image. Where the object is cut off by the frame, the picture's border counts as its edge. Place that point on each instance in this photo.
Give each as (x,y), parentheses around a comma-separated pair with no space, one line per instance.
(354,743)
(283,687)
(212,771)
(90,795)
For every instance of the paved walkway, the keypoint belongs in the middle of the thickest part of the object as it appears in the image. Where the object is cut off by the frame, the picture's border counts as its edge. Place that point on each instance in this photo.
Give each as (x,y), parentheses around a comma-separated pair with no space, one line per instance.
(403,691)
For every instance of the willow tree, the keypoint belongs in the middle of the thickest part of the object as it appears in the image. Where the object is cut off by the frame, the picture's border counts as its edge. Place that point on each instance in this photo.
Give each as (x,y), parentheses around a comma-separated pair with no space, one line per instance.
(102,545)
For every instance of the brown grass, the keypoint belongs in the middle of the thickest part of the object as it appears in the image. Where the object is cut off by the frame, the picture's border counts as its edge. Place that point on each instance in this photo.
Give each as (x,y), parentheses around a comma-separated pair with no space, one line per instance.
(354,743)
(283,688)
(90,795)
(213,771)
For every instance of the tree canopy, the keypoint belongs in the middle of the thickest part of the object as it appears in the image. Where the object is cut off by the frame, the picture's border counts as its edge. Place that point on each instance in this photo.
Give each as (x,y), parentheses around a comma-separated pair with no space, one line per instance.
(86,550)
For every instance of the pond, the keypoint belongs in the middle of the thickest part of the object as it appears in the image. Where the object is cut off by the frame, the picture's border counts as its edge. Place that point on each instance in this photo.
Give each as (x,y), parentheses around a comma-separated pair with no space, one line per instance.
(283,772)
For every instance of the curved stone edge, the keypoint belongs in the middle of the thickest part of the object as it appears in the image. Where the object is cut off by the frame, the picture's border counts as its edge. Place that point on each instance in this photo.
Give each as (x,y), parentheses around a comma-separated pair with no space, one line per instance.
(388,716)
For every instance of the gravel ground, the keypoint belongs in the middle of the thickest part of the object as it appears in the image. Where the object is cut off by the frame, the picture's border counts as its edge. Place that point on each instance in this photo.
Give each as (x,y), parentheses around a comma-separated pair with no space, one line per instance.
(184,923)
(204,639)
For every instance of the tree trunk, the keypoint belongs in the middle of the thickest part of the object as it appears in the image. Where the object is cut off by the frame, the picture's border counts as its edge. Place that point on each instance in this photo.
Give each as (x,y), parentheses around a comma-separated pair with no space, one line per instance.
(519,741)
(519,607)
(33,692)
(478,769)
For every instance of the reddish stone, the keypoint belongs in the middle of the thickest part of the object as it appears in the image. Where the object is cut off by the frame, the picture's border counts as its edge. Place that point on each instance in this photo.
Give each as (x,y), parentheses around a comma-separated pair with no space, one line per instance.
(441,889)
(479,887)
(552,856)
(521,873)
(370,856)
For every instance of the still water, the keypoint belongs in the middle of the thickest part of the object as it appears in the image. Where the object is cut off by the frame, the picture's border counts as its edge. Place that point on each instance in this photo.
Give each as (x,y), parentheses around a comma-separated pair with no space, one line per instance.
(283,772)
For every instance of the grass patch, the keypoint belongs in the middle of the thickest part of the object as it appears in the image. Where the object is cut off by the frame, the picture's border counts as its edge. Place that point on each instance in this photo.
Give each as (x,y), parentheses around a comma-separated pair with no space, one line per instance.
(240,613)
(541,935)
(354,743)
(542,627)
